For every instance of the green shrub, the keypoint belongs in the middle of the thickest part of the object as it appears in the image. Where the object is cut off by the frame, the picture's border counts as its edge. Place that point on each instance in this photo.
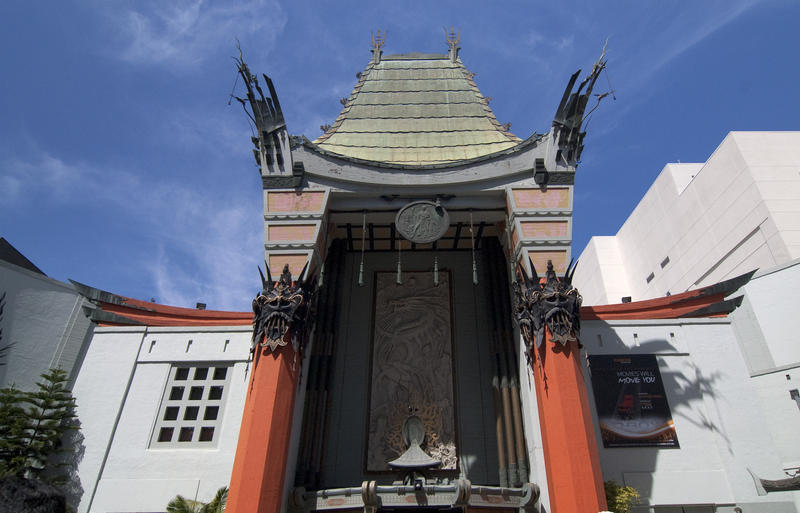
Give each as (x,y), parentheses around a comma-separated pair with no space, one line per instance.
(620,498)
(32,425)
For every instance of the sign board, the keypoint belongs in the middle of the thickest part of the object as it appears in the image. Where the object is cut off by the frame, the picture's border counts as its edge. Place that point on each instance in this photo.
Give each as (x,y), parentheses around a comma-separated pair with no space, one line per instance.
(631,403)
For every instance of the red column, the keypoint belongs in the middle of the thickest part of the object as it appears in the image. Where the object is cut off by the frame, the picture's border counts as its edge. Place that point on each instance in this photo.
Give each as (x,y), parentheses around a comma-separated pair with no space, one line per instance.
(259,469)
(572,463)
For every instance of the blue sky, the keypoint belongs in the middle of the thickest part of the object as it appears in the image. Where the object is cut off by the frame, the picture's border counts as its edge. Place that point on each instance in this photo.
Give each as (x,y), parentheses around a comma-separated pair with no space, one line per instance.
(122,165)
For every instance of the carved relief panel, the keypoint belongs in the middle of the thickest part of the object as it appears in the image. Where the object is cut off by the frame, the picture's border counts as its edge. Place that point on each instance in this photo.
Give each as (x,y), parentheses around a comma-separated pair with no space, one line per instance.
(412,368)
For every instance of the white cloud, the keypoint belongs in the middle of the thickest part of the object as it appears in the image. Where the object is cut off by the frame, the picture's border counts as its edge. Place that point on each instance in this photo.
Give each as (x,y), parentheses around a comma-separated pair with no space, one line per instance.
(221,130)
(665,35)
(535,37)
(206,250)
(566,43)
(686,29)
(185,33)
(54,180)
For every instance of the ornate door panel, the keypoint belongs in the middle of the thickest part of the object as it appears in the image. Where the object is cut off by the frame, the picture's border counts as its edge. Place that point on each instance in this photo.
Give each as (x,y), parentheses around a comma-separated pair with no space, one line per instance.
(412,367)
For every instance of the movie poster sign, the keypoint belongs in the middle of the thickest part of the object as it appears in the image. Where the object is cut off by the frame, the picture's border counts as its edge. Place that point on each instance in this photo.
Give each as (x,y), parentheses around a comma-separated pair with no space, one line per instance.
(631,404)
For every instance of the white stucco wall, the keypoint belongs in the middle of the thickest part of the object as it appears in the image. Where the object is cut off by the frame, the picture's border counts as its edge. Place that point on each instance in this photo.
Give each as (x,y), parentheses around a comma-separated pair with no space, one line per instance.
(782,415)
(100,395)
(717,409)
(44,322)
(772,293)
(119,393)
(767,325)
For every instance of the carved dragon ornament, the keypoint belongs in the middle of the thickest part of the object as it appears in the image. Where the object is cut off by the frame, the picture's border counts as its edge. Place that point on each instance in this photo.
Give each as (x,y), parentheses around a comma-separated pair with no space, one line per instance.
(553,304)
(282,310)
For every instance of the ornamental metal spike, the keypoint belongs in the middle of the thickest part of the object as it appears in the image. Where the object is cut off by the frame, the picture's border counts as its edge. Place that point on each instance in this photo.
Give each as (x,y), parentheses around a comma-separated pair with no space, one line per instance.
(302,274)
(269,276)
(535,276)
(573,264)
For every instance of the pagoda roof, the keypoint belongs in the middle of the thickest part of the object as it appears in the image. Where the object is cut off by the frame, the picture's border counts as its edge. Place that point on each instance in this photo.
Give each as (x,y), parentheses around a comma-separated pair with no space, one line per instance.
(416,109)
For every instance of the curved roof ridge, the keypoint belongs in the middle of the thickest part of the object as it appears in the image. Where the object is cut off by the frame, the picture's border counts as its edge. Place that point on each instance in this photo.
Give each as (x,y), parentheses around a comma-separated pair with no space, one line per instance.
(535,138)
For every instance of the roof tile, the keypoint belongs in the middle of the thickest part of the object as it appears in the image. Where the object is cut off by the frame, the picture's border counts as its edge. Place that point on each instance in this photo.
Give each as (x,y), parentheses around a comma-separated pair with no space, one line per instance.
(416,109)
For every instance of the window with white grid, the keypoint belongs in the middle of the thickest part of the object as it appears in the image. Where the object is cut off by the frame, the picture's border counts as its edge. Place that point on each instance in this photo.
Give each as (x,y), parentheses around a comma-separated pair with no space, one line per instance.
(191,409)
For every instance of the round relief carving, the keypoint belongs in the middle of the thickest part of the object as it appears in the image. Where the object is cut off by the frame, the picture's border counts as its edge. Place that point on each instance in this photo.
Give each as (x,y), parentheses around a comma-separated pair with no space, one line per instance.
(422,221)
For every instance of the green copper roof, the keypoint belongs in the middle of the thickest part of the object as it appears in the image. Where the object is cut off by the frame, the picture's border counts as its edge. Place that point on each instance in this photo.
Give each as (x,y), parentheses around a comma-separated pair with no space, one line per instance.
(416,109)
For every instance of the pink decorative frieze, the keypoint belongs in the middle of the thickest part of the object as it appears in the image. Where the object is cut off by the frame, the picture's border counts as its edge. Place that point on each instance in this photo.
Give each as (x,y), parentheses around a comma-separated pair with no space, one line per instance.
(291,201)
(295,261)
(291,232)
(554,198)
(544,229)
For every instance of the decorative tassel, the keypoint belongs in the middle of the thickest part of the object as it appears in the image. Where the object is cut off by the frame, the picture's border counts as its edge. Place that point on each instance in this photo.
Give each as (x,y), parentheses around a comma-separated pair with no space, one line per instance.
(436,271)
(399,266)
(363,235)
(472,240)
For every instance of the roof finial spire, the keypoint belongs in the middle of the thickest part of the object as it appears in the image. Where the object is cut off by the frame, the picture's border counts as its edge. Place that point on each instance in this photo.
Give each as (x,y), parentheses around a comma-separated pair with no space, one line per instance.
(377,44)
(452,41)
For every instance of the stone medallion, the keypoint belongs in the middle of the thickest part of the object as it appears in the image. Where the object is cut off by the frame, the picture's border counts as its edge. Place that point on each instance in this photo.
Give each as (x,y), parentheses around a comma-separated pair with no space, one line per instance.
(422,222)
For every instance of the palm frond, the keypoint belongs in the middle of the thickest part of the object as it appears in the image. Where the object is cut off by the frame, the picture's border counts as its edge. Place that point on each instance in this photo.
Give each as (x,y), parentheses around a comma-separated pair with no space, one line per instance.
(217,504)
(180,504)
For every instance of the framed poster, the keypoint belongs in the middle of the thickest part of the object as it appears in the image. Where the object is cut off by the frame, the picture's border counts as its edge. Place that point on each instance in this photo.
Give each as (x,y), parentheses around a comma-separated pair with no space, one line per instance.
(631,403)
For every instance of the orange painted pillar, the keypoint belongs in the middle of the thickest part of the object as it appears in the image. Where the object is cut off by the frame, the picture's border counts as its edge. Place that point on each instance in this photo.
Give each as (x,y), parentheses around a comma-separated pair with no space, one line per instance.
(572,463)
(259,469)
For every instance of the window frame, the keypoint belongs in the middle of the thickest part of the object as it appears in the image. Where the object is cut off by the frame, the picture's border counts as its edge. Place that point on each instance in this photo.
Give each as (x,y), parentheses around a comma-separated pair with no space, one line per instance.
(179,425)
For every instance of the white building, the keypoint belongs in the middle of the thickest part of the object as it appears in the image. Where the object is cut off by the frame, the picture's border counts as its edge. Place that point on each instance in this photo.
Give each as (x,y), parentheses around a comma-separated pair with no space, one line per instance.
(733,387)
(700,224)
